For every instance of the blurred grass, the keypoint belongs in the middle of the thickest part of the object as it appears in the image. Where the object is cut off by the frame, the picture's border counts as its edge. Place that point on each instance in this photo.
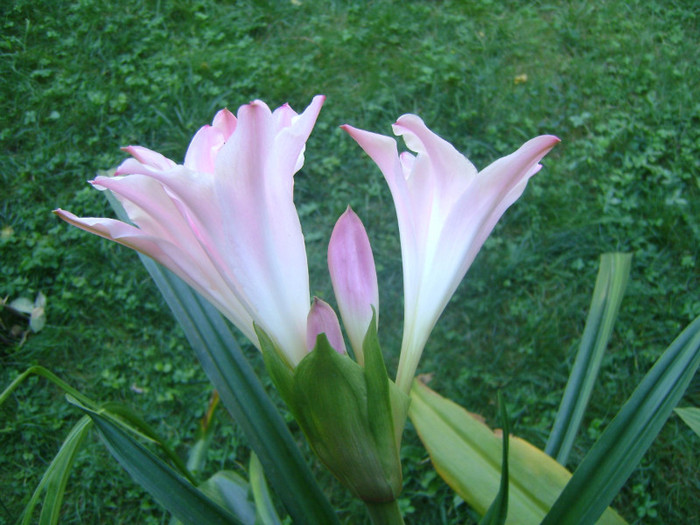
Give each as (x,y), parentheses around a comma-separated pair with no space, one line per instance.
(617,81)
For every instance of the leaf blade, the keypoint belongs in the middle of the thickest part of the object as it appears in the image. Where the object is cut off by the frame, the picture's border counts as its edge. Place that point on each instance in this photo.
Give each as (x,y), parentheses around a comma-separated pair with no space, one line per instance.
(614,456)
(231,491)
(466,454)
(56,476)
(691,417)
(609,288)
(263,501)
(174,492)
(498,511)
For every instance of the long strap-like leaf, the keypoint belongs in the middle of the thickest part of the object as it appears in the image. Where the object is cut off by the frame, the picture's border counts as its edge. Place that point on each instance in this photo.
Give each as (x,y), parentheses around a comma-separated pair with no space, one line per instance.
(56,476)
(467,455)
(243,395)
(498,511)
(245,398)
(607,295)
(171,490)
(615,455)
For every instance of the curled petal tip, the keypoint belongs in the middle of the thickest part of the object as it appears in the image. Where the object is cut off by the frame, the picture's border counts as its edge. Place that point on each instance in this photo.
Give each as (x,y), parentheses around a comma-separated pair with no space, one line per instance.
(407,116)
(318,99)
(543,142)
(552,139)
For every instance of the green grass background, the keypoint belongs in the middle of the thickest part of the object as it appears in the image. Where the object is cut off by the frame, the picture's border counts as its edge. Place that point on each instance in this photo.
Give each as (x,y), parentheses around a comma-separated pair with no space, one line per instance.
(617,81)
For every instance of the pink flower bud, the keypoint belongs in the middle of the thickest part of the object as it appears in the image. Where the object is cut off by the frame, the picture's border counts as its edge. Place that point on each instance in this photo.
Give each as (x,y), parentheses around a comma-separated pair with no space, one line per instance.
(354,278)
(322,320)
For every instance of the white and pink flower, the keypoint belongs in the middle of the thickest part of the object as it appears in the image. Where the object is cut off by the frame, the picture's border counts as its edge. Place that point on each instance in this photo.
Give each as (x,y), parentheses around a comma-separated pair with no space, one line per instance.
(446,209)
(225,220)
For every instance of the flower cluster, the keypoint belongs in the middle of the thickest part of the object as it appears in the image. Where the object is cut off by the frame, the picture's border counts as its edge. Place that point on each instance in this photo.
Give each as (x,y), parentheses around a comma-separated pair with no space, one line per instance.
(224,221)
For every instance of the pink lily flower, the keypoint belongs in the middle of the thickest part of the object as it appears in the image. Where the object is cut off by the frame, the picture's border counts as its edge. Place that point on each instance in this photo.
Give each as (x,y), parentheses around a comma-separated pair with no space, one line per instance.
(446,209)
(224,220)
(354,278)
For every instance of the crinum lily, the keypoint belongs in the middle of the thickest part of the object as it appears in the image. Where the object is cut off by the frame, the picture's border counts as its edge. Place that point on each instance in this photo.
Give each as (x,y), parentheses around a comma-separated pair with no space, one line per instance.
(446,209)
(225,220)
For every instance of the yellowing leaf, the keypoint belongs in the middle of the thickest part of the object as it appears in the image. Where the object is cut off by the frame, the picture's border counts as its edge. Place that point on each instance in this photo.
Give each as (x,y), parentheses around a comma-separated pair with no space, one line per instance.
(467,455)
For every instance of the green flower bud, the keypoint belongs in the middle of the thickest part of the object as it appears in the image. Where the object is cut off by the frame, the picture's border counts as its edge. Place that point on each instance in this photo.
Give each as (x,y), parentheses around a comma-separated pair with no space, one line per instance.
(352,416)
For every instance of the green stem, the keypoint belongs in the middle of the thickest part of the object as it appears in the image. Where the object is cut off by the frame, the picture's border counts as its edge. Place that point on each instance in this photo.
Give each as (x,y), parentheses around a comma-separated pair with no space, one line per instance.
(385,513)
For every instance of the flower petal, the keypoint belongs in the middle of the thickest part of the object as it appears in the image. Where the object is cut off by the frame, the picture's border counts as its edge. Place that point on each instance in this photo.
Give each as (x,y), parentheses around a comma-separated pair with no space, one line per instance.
(322,320)
(149,157)
(191,270)
(354,278)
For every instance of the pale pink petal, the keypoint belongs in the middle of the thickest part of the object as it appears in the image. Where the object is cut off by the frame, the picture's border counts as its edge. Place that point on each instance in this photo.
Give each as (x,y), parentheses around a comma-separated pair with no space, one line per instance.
(147,205)
(197,273)
(354,278)
(132,166)
(149,157)
(381,149)
(283,116)
(322,320)
(203,149)
(396,170)
(450,165)
(290,141)
(225,121)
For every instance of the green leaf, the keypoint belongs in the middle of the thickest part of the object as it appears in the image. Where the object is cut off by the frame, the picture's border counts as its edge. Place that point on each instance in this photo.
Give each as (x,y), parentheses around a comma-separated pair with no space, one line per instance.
(47,374)
(276,364)
(267,515)
(174,492)
(615,455)
(56,476)
(197,456)
(131,420)
(232,492)
(498,511)
(467,455)
(691,416)
(243,395)
(384,416)
(609,288)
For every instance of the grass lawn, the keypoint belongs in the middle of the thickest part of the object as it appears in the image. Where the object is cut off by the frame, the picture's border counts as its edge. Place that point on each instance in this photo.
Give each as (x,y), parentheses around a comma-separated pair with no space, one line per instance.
(617,81)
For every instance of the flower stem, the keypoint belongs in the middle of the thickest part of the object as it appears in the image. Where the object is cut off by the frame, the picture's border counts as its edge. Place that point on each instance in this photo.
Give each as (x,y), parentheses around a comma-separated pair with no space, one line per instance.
(385,513)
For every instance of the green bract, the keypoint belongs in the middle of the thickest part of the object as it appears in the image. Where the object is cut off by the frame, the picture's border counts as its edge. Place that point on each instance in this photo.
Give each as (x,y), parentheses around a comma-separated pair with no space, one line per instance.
(352,416)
